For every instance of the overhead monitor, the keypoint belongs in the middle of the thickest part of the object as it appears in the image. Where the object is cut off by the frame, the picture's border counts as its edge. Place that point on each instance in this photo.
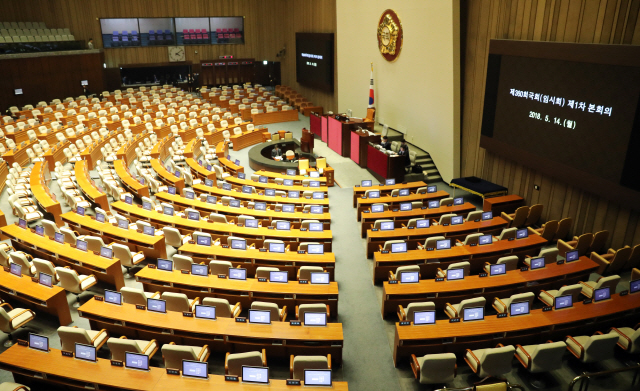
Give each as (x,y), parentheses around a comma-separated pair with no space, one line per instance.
(84,82)
(315,60)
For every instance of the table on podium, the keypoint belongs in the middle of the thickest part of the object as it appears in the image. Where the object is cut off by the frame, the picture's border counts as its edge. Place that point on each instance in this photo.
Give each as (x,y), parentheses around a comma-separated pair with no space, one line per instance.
(360,146)
(383,166)
(340,133)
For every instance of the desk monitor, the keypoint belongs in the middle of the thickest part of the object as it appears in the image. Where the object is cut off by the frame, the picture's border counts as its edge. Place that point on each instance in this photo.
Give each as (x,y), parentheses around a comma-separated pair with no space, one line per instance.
(85,352)
(316,209)
(199,270)
(263,179)
(22,223)
(193,215)
(571,256)
(399,247)
(485,239)
(202,240)
(522,233)
(432,189)
(168,210)
(106,252)
(276,248)
(128,200)
(318,377)
(112,297)
(195,369)
(177,174)
(315,319)
(443,244)
(81,245)
(208,167)
(422,223)
(270,192)
(165,264)
(190,195)
(283,225)
(424,317)
(406,206)
(171,190)
(319,278)
(390,182)
(122,223)
(288,208)
(366,183)
(314,174)
(563,302)
(258,375)
(226,186)
(84,82)
(458,201)
(487,216)
(241,175)
(315,249)
(251,223)
(374,194)
(260,316)
(80,210)
(156,305)
(455,274)
(496,270)
(247,189)
(520,308)
(39,230)
(602,294)
(208,182)
(212,199)
(45,279)
(38,342)
(205,312)
(634,286)
(471,314)
(293,194)
(100,218)
(537,263)
(237,274)
(234,203)
(260,206)
(282,277)
(387,226)
(148,230)
(146,205)
(136,361)
(409,277)
(316,227)
(434,204)
(457,220)
(291,171)
(377,208)
(287,182)
(17,91)
(239,244)
(314,183)
(404,192)
(237,162)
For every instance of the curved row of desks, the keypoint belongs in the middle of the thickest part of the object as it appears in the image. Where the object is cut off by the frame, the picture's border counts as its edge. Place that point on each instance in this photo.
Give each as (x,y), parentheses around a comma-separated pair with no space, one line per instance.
(385,190)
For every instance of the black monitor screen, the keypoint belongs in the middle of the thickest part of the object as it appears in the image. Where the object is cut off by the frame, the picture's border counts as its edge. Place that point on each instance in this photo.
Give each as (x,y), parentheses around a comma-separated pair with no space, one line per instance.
(485,239)
(205,312)
(406,206)
(38,342)
(202,240)
(495,270)
(563,302)
(45,279)
(404,192)
(317,377)
(399,247)
(165,264)
(260,316)
(85,352)
(434,204)
(487,215)
(136,361)
(455,274)
(314,60)
(443,244)
(387,226)
(432,189)
(457,220)
(255,374)
(156,305)
(522,233)
(602,294)
(422,223)
(389,182)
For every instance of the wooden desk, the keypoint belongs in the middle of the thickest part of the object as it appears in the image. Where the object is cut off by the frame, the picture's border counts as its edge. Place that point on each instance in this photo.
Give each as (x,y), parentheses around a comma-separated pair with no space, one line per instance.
(167,177)
(19,155)
(365,203)
(340,134)
(535,328)
(87,186)
(4,171)
(39,179)
(223,335)
(368,218)
(297,179)
(55,154)
(128,181)
(507,204)
(553,276)
(274,116)
(416,236)
(38,297)
(152,246)
(359,191)
(229,166)
(245,292)
(108,270)
(222,149)
(430,261)
(383,166)
(250,259)
(234,180)
(248,139)
(359,146)
(200,171)
(257,197)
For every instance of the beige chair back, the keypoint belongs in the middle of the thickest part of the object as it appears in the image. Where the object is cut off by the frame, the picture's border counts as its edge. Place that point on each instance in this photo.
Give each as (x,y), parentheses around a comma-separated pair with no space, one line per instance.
(176,301)
(535,211)
(69,336)
(119,347)
(599,240)
(174,354)
(520,217)
(223,309)
(564,226)
(271,307)
(220,267)
(236,361)
(300,363)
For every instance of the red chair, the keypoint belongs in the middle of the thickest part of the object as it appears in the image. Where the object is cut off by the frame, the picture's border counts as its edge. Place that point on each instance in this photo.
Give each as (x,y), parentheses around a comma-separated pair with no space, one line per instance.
(197,31)
(224,30)
(218,31)
(205,36)
(226,35)
(220,36)
(191,31)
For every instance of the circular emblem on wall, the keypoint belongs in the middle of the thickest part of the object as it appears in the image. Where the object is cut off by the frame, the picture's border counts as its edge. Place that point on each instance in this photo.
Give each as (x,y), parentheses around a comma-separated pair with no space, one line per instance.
(390,35)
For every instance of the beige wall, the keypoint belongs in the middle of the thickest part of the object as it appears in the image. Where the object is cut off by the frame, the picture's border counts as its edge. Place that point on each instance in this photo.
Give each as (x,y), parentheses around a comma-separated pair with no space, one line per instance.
(419,93)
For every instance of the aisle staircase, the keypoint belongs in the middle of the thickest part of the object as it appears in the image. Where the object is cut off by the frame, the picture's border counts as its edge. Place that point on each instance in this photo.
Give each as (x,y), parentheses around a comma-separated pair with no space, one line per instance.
(431,173)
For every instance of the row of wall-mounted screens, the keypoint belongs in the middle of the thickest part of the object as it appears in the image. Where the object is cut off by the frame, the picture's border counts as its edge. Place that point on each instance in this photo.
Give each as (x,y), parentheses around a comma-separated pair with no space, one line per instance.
(136,32)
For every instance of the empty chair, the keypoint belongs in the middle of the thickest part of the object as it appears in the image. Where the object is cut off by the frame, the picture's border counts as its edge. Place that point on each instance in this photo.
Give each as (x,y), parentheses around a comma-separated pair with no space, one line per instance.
(434,368)
(179,302)
(465,265)
(173,237)
(628,338)
(490,362)
(220,267)
(547,231)
(445,219)
(431,242)
(298,364)
(95,243)
(535,211)
(580,243)
(389,243)
(511,262)
(44,266)
(13,319)
(446,201)
(548,297)
(137,296)
(544,357)
(24,260)
(403,269)
(589,287)
(518,218)
(69,336)
(590,349)
(174,354)
(506,234)
(277,314)
(407,314)
(304,272)
(223,308)
(127,259)
(454,311)
(470,240)
(564,226)
(634,258)
(74,283)
(613,261)
(504,305)
(303,308)
(119,346)
(234,362)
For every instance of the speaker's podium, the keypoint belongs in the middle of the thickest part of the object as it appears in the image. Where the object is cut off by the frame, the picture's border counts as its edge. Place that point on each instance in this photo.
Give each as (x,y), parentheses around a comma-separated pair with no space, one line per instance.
(384,166)
(307,141)
(339,132)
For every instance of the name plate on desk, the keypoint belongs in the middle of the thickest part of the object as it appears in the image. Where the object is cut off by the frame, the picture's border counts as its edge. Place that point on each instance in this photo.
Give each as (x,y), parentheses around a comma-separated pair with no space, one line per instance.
(6,269)
(185,271)
(454,320)
(393,282)
(511,239)
(395,195)
(303,281)
(384,251)
(365,211)
(231,378)
(269,227)
(503,315)
(412,227)
(301,252)
(225,246)
(483,275)
(623,293)
(546,309)
(473,244)
(364,197)
(560,262)
(66,353)
(264,250)
(187,314)
(374,229)
(98,298)
(524,269)
(262,279)
(303,229)
(150,266)
(173,371)
(425,207)
(295,323)
(35,279)
(116,363)
(293,382)
(241,320)
(445,224)
(587,301)
(405,323)
(439,279)
(22,342)
(395,210)
(240,225)
(306,211)
(222,276)
(140,307)
(429,248)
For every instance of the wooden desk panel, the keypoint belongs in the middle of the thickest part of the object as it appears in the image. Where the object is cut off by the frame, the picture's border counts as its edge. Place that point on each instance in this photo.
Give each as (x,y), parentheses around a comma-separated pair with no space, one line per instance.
(38,297)
(166,177)
(4,171)
(230,166)
(38,180)
(430,261)
(245,292)
(358,191)
(200,171)
(553,276)
(257,197)
(222,149)
(234,180)
(507,204)
(365,204)
(275,116)
(222,335)
(128,181)
(87,188)
(19,155)
(297,179)
(247,139)
(108,270)
(537,327)
(55,154)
